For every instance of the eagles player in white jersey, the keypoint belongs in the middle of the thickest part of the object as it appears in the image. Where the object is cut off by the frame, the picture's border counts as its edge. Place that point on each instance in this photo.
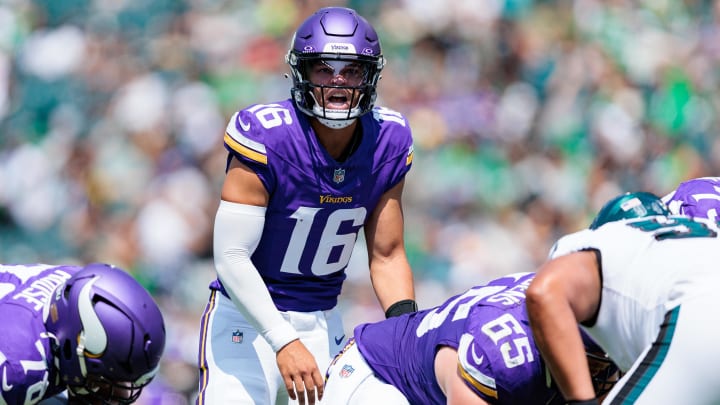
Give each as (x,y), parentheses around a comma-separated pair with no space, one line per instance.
(644,289)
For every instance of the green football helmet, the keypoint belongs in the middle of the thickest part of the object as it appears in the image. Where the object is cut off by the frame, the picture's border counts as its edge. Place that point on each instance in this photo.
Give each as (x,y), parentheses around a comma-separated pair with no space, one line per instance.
(630,205)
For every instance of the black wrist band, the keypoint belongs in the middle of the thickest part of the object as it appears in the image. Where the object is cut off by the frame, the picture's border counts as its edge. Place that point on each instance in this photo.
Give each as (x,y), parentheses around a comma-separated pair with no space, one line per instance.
(401,307)
(593,401)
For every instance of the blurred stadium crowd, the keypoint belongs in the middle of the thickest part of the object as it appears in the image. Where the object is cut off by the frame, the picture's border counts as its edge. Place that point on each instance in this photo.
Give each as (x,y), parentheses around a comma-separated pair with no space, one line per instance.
(527,116)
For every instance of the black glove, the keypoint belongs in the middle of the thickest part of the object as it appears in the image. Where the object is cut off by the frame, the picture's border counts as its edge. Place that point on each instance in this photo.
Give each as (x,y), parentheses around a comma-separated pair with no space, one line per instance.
(401,307)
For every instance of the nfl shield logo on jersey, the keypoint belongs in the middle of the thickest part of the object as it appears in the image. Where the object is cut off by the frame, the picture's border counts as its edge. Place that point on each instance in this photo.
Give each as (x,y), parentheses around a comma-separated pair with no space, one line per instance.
(346,371)
(339,175)
(237,336)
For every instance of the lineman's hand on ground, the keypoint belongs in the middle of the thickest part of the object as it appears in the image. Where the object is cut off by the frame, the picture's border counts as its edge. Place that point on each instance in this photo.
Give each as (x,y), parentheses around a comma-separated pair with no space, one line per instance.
(300,372)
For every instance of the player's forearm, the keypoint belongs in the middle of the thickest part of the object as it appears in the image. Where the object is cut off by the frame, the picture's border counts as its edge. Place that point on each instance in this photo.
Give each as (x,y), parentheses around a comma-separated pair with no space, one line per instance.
(392,281)
(390,270)
(556,334)
(238,228)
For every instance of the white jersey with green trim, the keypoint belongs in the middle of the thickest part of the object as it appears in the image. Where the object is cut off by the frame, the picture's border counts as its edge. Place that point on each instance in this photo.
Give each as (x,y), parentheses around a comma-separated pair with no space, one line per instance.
(648,267)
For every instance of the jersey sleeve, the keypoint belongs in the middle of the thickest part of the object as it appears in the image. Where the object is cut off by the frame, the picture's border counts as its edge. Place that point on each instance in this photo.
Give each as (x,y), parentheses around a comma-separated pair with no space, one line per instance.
(498,359)
(245,140)
(24,359)
(396,145)
(474,370)
(570,243)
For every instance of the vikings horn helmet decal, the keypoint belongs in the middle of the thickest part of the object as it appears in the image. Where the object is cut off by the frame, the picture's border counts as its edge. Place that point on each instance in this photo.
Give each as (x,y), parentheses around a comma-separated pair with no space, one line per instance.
(93,334)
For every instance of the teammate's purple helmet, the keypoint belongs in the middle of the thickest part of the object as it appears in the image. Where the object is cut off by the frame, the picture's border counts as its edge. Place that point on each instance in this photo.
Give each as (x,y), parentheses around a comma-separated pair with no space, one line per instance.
(110,334)
(697,198)
(335,34)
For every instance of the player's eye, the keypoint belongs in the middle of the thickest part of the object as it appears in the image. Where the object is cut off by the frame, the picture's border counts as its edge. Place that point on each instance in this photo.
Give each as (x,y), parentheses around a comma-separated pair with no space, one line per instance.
(352,71)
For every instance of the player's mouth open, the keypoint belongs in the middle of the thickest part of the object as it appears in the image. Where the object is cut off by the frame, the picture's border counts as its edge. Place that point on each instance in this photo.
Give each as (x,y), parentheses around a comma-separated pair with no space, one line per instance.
(337,101)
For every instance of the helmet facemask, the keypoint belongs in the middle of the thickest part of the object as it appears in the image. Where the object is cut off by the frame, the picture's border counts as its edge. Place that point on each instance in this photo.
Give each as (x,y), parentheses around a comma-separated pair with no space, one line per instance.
(99,390)
(603,371)
(605,374)
(314,96)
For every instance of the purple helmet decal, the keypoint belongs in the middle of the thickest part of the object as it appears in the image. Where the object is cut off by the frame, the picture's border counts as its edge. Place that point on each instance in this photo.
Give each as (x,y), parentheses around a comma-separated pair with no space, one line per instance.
(338,34)
(109,332)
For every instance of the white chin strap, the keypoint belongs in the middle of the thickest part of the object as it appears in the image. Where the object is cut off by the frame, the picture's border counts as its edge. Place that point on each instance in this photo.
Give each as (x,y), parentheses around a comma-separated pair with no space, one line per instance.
(335,124)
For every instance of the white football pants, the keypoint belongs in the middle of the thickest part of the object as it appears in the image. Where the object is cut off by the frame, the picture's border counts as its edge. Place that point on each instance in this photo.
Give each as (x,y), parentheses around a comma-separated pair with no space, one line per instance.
(237,365)
(351,381)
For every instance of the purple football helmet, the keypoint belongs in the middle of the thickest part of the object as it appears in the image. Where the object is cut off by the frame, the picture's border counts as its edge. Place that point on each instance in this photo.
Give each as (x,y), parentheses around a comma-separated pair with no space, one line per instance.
(331,36)
(697,198)
(110,334)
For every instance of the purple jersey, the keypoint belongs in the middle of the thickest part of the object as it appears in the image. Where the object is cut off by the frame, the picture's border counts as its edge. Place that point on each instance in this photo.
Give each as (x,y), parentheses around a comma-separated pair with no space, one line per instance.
(317,205)
(489,328)
(698,198)
(25,358)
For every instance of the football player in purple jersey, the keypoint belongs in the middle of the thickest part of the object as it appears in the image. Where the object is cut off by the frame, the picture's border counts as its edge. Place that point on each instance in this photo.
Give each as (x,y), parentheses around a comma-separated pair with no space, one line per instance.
(698,198)
(82,335)
(475,348)
(304,176)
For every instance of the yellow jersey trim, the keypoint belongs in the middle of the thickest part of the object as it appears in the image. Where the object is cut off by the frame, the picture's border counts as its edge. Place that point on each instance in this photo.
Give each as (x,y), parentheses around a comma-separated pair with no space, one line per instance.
(475,383)
(245,151)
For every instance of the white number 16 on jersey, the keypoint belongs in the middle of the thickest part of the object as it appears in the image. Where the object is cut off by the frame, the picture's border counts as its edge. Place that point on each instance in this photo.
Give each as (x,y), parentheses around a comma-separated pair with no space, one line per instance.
(330,239)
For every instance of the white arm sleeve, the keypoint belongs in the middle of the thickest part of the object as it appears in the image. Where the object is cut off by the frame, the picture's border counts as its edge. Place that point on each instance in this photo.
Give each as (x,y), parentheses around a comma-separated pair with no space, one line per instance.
(238,228)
